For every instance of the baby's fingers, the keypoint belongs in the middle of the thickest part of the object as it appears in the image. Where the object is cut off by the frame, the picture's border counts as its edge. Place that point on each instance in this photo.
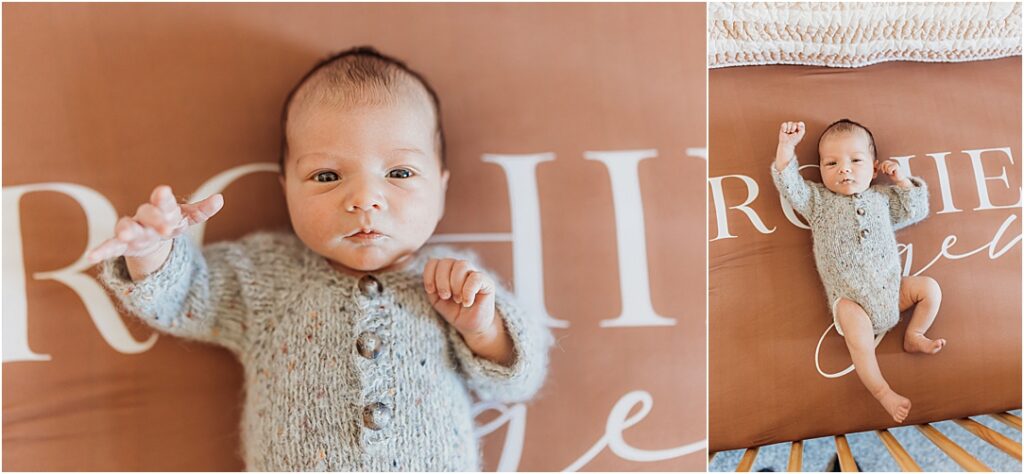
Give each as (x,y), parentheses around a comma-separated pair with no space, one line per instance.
(152,217)
(442,278)
(136,238)
(428,277)
(109,249)
(127,230)
(163,198)
(199,212)
(476,284)
(460,270)
(790,128)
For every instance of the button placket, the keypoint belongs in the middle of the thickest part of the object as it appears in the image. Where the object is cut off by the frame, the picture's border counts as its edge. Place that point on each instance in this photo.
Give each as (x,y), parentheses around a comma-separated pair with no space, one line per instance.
(371,345)
(370,286)
(860,211)
(376,416)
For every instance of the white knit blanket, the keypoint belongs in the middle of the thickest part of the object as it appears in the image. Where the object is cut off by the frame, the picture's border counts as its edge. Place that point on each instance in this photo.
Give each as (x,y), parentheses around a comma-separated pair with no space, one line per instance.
(860,34)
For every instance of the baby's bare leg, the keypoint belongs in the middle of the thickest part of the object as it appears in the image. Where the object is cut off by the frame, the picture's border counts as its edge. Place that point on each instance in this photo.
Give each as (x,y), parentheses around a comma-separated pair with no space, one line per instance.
(923,292)
(860,339)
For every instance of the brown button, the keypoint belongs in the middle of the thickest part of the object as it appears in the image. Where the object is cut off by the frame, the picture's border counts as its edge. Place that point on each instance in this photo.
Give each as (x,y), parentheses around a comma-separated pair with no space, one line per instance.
(369,345)
(860,212)
(856,195)
(864,233)
(376,416)
(370,285)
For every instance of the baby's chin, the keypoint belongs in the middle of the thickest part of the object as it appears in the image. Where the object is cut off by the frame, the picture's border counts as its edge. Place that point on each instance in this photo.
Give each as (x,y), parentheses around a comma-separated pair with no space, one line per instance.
(849,188)
(368,259)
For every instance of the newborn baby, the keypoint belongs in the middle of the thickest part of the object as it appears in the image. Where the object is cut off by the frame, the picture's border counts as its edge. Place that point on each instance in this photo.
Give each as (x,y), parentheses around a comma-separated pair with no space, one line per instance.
(853,226)
(359,346)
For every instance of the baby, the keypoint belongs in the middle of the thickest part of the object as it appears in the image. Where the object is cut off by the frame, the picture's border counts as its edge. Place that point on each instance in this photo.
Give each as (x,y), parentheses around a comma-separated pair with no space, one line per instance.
(359,346)
(852,225)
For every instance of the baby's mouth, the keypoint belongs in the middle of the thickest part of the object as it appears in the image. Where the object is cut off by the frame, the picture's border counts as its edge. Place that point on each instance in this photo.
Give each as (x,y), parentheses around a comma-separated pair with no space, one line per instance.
(364,234)
(846,181)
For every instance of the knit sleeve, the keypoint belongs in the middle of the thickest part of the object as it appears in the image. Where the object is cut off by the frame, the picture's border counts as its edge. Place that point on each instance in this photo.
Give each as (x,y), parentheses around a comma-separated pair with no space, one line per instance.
(908,206)
(800,194)
(194,295)
(524,377)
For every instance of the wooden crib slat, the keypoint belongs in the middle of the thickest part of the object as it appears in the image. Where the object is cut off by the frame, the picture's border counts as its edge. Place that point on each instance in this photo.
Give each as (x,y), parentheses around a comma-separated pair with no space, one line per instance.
(747,461)
(796,456)
(900,455)
(1009,419)
(993,437)
(846,463)
(953,450)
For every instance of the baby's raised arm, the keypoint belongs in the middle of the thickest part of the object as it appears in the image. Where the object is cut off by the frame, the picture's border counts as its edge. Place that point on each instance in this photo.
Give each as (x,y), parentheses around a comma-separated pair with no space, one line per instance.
(790,134)
(175,286)
(892,169)
(908,196)
(800,194)
(145,239)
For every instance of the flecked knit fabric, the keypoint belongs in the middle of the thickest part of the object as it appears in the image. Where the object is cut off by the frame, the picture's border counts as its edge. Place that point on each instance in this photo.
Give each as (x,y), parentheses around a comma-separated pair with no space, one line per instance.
(338,375)
(855,240)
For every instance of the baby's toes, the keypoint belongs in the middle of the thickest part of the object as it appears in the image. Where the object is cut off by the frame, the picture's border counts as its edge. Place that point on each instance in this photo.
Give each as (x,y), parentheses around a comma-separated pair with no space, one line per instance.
(900,415)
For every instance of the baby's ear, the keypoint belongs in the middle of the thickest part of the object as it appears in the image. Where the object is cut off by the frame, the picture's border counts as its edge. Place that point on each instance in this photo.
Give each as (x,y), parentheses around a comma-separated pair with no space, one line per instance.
(444,191)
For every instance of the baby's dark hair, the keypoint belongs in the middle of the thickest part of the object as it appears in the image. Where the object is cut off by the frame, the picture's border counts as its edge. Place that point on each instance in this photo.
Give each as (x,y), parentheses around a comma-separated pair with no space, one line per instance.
(846,126)
(360,76)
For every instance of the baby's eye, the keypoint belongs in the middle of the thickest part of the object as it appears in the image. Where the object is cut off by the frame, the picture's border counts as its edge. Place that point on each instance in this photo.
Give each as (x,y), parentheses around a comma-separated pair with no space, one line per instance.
(325,177)
(400,173)
(830,163)
(857,160)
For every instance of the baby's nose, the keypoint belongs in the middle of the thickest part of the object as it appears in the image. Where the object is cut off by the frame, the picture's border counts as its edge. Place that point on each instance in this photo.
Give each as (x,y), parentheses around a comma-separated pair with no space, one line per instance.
(365,203)
(365,198)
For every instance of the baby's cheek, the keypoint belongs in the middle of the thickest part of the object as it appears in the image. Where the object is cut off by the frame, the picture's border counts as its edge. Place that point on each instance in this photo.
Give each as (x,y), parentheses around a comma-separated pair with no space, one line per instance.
(313,225)
(418,224)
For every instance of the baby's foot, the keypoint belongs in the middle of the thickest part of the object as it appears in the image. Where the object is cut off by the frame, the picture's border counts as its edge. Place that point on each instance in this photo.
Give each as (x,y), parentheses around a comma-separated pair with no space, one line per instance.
(919,343)
(897,405)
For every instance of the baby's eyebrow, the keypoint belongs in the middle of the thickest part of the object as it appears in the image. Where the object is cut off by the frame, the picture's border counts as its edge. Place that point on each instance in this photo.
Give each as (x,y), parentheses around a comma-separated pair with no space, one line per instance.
(411,150)
(318,154)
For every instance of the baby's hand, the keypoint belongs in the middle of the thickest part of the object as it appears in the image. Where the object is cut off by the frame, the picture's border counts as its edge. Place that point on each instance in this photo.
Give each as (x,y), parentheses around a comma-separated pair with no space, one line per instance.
(790,133)
(893,170)
(463,295)
(159,220)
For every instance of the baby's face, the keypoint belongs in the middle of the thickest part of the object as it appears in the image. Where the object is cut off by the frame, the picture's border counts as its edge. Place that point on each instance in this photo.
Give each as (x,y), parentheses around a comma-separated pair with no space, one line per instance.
(364,185)
(847,165)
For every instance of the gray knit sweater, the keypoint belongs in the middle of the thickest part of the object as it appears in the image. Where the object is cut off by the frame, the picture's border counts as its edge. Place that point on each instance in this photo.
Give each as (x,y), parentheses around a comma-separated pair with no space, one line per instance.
(855,241)
(341,373)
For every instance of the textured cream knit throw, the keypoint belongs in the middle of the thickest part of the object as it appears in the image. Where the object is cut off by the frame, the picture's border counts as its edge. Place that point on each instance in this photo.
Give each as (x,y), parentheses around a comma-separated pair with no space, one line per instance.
(860,34)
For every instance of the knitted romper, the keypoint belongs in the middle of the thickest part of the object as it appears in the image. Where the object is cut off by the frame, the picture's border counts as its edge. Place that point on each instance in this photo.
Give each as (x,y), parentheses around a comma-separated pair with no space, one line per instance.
(341,373)
(855,241)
